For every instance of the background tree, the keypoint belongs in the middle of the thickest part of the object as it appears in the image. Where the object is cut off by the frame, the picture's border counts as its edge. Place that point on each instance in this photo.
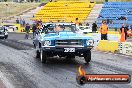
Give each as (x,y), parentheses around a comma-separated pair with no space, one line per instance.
(32,0)
(5,0)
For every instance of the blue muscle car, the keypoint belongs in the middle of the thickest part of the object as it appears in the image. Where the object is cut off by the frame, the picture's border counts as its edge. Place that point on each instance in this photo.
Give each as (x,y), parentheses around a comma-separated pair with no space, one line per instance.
(61,39)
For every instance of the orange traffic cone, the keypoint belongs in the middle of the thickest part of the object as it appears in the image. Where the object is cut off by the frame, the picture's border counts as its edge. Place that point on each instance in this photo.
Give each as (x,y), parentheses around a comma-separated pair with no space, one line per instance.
(122,36)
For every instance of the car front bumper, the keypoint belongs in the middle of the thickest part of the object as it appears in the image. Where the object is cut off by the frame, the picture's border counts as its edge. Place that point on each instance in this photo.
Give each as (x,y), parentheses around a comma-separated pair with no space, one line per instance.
(2,35)
(62,48)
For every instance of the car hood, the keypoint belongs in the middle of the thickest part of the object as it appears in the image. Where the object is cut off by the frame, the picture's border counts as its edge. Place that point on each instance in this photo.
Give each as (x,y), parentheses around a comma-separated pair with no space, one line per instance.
(64,35)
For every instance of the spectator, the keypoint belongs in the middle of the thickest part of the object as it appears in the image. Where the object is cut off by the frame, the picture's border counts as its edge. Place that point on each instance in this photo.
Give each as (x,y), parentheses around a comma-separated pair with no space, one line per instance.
(5,28)
(58,28)
(122,18)
(127,27)
(58,21)
(36,21)
(104,30)
(90,6)
(130,12)
(87,24)
(131,27)
(27,29)
(39,27)
(80,24)
(108,21)
(125,31)
(40,21)
(63,21)
(77,22)
(51,21)
(23,21)
(100,16)
(2,20)
(94,27)
(129,32)
(34,28)
(17,21)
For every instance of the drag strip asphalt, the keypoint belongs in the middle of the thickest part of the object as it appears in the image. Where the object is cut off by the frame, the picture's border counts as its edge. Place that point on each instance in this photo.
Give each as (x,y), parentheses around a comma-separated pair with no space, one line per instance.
(22,70)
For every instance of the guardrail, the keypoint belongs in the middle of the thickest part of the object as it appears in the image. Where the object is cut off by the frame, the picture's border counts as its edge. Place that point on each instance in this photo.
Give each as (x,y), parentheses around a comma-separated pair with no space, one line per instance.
(108,46)
(115,47)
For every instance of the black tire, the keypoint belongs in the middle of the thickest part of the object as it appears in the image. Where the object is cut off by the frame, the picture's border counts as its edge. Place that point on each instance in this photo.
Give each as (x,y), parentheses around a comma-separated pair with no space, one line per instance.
(34,45)
(37,54)
(87,56)
(6,36)
(43,56)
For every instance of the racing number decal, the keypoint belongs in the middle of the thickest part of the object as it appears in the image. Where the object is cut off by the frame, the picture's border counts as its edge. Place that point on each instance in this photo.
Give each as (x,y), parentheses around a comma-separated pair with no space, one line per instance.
(69,49)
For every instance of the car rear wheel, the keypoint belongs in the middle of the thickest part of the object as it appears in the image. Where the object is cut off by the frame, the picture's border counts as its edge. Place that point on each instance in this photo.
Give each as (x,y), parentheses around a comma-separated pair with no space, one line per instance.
(43,56)
(87,56)
(37,54)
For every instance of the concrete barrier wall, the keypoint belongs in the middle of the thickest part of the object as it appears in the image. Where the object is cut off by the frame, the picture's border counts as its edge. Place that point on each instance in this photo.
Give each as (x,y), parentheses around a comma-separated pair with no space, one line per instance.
(115,46)
(108,46)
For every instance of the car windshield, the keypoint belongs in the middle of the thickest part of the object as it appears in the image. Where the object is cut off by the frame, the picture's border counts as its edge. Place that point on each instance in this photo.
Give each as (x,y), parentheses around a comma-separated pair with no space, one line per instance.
(50,28)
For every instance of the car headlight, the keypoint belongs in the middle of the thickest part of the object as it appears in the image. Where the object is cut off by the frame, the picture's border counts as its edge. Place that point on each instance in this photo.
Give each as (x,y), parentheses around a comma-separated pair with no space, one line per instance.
(47,43)
(90,42)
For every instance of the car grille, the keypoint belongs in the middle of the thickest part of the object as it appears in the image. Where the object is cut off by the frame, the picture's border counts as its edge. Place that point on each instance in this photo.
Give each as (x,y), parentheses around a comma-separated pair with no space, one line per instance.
(69,42)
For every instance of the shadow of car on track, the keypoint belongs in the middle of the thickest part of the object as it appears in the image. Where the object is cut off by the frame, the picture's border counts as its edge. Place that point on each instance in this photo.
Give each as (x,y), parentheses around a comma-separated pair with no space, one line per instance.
(70,64)
(65,61)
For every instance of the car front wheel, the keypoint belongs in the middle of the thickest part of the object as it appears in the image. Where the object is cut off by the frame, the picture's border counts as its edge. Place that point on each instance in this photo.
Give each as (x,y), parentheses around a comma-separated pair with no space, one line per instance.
(87,56)
(6,36)
(43,56)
